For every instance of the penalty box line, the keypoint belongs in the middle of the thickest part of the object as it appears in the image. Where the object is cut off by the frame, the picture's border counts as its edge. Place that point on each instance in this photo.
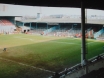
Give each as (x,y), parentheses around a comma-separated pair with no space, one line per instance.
(27,65)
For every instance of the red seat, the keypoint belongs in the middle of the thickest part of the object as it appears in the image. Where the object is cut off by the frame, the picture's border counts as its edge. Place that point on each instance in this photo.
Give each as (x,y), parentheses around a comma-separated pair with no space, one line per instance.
(6,23)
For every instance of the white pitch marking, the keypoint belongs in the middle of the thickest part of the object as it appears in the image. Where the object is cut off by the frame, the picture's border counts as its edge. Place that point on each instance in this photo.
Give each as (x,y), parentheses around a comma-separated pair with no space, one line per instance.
(64,42)
(26,65)
(25,38)
(58,41)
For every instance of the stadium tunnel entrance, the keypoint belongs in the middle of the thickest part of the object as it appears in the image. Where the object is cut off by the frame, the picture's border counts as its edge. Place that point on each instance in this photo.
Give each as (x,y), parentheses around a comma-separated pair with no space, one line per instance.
(24,31)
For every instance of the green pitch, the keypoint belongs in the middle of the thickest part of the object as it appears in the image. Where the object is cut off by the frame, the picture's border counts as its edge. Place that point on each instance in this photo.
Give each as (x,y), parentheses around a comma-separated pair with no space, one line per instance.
(50,53)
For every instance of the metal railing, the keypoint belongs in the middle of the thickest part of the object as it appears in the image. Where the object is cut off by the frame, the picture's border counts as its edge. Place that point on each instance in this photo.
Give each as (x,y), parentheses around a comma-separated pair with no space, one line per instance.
(77,67)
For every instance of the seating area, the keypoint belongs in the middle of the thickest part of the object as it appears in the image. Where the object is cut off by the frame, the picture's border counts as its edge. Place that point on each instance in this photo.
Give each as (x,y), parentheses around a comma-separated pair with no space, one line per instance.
(102,34)
(37,31)
(4,22)
(66,30)
(101,37)
(63,31)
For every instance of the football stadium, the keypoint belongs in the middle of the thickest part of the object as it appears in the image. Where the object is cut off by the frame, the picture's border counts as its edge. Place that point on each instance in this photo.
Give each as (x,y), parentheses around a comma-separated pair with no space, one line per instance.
(40,46)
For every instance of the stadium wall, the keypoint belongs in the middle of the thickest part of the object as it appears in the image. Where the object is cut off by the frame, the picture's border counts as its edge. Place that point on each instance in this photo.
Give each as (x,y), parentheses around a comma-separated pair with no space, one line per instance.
(91,67)
(7,29)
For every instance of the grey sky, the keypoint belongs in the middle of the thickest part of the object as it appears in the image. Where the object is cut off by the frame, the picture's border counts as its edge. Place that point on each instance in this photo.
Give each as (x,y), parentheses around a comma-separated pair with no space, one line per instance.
(19,10)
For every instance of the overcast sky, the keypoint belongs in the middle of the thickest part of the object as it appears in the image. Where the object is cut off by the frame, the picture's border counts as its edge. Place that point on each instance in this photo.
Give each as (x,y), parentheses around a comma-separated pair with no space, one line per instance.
(19,10)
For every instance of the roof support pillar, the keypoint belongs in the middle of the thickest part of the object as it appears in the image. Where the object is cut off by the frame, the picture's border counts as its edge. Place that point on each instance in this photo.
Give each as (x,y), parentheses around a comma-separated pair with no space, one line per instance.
(36,25)
(30,25)
(23,23)
(47,25)
(83,46)
(59,26)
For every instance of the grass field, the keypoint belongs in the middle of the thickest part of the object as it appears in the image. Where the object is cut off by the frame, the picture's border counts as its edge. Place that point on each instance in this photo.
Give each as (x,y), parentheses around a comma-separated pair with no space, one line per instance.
(50,53)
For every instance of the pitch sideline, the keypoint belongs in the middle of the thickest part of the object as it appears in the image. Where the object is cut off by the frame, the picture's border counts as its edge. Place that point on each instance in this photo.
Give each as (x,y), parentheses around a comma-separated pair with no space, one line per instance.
(27,65)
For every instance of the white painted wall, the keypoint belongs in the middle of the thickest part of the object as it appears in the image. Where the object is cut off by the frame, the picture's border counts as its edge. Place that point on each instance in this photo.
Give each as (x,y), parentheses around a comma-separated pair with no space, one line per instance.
(9,29)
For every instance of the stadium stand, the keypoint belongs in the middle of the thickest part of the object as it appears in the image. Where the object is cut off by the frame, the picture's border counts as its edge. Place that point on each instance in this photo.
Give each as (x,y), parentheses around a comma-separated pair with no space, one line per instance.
(5,22)
(64,30)
(101,37)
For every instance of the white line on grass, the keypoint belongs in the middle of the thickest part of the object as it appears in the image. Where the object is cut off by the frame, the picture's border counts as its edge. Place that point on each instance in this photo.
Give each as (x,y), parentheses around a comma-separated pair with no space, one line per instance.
(31,39)
(73,38)
(17,36)
(64,42)
(70,42)
(27,65)
(51,41)
(58,41)
(93,41)
(25,38)
(21,38)
(90,42)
